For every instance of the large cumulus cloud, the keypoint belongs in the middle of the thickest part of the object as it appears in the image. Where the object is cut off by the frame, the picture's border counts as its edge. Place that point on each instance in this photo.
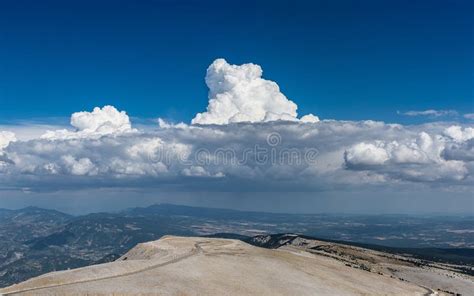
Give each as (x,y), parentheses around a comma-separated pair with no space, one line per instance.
(240,94)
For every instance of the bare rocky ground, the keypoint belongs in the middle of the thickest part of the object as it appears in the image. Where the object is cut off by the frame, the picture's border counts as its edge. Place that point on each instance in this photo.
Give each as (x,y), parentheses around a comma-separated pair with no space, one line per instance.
(211,266)
(441,279)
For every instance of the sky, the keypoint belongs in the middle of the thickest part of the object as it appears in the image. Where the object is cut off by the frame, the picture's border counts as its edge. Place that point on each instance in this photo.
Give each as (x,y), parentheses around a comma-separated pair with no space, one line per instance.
(348,60)
(380,91)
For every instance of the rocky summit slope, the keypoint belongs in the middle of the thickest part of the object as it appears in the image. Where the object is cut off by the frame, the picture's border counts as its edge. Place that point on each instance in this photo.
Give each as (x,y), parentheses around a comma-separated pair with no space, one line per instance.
(213,266)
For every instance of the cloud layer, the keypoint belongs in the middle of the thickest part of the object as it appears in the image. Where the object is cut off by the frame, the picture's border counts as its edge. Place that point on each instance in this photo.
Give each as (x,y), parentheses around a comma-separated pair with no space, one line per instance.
(260,155)
(250,138)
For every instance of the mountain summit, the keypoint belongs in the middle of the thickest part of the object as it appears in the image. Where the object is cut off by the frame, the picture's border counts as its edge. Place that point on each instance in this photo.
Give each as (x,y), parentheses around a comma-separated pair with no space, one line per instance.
(213,266)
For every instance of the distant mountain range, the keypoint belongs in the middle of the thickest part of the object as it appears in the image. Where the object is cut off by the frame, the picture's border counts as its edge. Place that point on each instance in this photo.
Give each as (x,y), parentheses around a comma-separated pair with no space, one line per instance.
(34,241)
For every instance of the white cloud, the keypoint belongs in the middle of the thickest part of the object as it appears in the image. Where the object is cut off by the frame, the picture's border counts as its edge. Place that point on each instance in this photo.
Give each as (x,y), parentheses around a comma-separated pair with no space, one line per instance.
(348,154)
(106,120)
(269,148)
(459,134)
(310,118)
(199,171)
(431,113)
(6,138)
(240,94)
(101,121)
(366,154)
(79,167)
(420,159)
(164,124)
(28,130)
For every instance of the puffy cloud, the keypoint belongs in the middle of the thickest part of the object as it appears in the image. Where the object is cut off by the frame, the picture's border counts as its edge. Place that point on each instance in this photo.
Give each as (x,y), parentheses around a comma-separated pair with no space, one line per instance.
(366,154)
(101,121)
(463,146)
(459,134)
(164,124)
(6,138)
(199,171)
(310,118)
(79,167)
(460,151)
(104,120)
(240,94)
(421,159)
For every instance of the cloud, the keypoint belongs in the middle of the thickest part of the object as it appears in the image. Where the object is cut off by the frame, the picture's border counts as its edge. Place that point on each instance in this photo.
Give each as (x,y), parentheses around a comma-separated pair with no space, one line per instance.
(250,139)
(460,151)
(27,130)
(420,159)
(366,154)
(198,171)
(104,120)
(309,118)
(459,134)
(431,113)
(282,155)
(6,138)
(79,167)
(469,116)
(240,94)
(101,121)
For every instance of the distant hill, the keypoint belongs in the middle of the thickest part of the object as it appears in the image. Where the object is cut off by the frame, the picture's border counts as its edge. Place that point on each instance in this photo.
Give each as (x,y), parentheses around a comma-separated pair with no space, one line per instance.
(200,212)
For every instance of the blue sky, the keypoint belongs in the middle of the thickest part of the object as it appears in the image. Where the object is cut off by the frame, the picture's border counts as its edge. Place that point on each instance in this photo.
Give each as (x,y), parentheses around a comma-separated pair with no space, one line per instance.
(338,59)
(138,61)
